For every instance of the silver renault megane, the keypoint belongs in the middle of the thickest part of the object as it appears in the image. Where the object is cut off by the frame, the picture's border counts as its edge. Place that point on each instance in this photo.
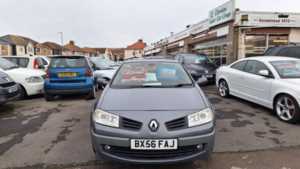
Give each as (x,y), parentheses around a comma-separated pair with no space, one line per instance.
(152,112)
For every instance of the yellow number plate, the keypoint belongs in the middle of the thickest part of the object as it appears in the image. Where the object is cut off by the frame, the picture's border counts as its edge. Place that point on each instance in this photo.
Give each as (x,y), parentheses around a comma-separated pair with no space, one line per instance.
(67,74)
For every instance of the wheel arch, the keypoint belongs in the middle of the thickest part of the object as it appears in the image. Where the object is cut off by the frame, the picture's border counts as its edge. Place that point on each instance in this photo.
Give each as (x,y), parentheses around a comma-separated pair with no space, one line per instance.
(282,94)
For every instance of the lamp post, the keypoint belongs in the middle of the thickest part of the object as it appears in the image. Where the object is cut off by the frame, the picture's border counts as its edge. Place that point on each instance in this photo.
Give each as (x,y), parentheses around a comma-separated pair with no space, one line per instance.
(62,41)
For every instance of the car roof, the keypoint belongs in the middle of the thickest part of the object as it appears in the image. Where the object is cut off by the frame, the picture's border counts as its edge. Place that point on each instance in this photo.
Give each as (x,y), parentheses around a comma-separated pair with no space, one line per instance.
(270,58)
(65,56)
(151,60)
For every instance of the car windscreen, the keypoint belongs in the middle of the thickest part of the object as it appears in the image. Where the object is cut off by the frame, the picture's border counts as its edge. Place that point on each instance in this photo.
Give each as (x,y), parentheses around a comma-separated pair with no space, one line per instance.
(68,62)
(22,62)
(151,75)
(191,58)
(102,63)
(7,65)
(287,68)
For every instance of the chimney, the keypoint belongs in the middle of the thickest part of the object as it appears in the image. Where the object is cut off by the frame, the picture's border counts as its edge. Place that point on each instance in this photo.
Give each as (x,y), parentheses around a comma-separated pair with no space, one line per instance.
(72,43)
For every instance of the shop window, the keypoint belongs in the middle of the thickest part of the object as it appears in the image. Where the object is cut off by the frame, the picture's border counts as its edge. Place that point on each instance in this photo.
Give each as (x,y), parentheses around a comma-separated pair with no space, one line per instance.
(255,45)
(278,40)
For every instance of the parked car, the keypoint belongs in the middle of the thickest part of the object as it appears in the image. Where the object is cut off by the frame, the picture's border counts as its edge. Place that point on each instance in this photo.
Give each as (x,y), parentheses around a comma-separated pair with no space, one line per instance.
(30,62)
(140,118)
(31,81)
(9,90)
(289,51)
(202,69)
(272,82)
(69,75)
(104,70)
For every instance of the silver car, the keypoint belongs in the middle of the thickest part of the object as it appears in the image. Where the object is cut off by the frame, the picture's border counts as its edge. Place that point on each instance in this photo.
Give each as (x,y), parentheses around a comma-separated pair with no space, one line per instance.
(152,112)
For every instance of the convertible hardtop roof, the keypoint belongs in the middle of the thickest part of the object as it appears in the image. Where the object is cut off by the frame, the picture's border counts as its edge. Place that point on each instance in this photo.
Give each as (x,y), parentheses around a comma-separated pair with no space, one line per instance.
(66,56)
(151,60)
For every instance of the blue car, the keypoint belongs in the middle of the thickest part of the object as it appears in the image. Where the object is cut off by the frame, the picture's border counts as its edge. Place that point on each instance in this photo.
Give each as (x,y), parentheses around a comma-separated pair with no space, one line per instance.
(69,75)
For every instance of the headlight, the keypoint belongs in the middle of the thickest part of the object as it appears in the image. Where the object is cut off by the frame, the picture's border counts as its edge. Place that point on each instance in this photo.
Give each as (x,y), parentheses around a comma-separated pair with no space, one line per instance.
(200,118)
(106,118)
(34,79)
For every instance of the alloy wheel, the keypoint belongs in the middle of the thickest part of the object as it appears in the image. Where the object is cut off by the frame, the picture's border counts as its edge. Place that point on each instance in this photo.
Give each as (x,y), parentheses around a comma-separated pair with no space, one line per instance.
(285,108)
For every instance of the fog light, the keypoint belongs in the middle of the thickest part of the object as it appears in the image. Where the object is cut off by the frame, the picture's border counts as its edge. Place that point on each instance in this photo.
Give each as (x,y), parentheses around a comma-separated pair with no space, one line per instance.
(107,147)
(199,147)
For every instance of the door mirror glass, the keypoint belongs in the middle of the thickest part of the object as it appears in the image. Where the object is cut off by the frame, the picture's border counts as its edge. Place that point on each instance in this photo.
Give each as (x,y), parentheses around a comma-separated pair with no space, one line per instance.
(264,73)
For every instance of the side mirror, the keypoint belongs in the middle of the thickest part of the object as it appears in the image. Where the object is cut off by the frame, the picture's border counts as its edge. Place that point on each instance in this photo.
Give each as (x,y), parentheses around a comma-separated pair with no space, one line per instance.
(264,73)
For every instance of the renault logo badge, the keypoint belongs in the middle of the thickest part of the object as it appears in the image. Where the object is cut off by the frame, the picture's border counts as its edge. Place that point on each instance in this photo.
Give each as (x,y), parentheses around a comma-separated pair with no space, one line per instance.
(153,125)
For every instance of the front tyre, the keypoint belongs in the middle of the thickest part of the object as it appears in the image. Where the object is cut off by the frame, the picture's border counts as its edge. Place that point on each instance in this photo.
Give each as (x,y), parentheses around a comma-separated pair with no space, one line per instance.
(92,93)
(48,97)
(287,109)
(223,89)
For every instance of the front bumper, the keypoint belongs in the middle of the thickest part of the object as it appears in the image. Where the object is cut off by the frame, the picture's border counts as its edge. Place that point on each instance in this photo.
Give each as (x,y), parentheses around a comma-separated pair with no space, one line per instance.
(187,149)
(6,96)
(205,78)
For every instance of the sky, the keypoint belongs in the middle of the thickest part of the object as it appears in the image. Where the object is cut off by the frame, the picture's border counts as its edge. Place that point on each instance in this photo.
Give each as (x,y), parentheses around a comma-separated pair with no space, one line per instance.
(114,23)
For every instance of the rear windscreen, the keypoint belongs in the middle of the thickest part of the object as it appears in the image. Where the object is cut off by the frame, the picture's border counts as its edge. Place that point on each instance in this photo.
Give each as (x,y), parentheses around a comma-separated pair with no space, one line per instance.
(22,62)
(68,62)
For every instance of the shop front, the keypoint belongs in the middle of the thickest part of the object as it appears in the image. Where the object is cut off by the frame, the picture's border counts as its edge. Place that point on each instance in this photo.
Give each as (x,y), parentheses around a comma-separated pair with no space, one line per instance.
(258,31)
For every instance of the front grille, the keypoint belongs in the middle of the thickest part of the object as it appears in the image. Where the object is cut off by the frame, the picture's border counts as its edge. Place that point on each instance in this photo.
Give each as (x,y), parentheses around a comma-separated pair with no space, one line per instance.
(126,152)
(130,124)
(177,124)
(10,84)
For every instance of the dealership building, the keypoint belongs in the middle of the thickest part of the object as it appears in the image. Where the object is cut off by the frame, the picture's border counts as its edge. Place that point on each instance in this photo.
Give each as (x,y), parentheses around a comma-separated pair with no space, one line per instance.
(231,34)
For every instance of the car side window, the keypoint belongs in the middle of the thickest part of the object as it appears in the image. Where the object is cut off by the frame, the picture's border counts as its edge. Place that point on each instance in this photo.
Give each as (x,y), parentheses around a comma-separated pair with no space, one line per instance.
(239,65)
(255,66)
(290,52)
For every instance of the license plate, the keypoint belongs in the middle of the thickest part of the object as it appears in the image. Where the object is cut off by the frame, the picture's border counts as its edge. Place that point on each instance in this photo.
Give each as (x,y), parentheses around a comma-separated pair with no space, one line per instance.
(67,74)
(209,76)
(149,144)
(12,89)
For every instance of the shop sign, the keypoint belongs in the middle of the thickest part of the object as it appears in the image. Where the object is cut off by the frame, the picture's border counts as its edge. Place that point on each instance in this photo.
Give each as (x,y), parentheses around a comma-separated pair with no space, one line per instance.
(179,36)
(199,27)
(261,19)
(222,14)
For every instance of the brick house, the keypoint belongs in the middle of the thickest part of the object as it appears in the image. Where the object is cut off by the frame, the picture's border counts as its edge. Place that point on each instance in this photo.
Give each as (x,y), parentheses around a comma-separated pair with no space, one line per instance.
(48,48)
(115,54)
(135,50)
(18,45)
(72,49)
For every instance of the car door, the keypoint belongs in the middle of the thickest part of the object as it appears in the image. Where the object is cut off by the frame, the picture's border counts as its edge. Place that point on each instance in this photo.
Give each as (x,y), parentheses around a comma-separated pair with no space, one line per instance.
(257,87)
(236,77)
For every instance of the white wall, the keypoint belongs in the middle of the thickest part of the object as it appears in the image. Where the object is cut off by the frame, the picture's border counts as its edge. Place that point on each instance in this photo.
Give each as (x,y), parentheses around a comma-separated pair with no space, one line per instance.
(20,50)
(133,53)
(295,35)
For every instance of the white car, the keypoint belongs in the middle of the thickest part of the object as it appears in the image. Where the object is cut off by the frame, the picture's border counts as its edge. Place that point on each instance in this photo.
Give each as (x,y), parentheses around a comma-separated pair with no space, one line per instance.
(104,70)
(30,62)
(273,82)
(31,81)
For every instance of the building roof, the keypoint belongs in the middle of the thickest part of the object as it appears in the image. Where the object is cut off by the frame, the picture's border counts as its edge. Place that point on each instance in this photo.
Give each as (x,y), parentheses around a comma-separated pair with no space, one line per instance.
(17,40)
(139,45)
(52,45)
(89,50)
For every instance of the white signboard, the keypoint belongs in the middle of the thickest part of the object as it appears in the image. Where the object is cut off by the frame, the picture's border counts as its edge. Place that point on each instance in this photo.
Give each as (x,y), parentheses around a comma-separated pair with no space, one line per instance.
(199,27)
(221,14)
(179,36)
(261,19)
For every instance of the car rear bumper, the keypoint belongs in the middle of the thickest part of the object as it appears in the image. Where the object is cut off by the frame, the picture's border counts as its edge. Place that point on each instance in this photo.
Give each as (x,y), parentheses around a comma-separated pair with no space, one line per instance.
(68,88)
(68,91)
(187,150)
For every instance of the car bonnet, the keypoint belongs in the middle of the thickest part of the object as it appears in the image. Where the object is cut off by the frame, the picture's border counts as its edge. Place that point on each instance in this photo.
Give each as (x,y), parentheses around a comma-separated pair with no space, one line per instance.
(152,99)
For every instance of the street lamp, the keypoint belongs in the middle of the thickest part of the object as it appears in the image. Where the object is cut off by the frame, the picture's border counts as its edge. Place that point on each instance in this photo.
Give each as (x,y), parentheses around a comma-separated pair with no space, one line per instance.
(62,41)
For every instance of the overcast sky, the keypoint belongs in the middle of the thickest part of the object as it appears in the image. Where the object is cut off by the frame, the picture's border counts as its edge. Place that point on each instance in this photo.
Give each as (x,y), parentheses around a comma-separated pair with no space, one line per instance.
(114,23)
